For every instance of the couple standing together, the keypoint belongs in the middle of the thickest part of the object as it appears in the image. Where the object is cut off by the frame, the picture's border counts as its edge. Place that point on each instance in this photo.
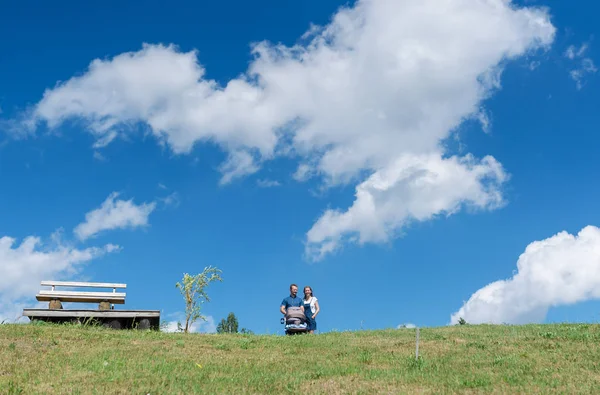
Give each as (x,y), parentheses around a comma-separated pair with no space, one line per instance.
(309,305)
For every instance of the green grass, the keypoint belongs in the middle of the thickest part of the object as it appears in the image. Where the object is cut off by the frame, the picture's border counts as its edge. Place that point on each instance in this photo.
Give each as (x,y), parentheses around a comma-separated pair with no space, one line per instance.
(461,359)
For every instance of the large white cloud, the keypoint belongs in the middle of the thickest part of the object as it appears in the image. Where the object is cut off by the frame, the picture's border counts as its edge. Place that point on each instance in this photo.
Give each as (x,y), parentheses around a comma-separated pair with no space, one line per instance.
(561,270)
(24,265)
(412,188)
(114,214)
(385,81)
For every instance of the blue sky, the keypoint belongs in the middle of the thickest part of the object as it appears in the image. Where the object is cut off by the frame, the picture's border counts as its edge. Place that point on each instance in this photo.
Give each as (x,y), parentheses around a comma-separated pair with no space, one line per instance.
(355,164)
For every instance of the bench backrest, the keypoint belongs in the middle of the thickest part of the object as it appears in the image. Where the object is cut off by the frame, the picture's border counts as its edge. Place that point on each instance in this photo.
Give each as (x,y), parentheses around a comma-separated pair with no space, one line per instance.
(82,284)
(81,296)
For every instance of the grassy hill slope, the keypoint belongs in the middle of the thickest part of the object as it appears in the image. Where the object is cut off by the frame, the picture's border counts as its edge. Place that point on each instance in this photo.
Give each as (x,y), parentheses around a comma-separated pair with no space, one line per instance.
(509,359)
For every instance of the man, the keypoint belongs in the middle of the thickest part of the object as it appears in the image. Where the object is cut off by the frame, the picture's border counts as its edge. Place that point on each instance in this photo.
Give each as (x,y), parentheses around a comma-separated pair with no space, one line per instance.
(291,301)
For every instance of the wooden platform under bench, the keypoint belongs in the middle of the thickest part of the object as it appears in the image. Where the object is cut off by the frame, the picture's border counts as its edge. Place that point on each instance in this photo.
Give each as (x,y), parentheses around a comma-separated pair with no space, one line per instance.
(117,319)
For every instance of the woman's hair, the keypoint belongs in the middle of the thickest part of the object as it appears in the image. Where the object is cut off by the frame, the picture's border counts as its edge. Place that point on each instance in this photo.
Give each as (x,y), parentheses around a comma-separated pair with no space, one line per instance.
(311,292)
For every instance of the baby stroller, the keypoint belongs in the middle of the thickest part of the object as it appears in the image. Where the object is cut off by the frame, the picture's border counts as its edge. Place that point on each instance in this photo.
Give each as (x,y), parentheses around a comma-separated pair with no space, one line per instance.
(295,321)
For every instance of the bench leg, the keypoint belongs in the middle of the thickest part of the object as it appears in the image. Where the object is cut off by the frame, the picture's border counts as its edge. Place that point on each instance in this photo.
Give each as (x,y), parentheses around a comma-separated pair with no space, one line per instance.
(113,324)
(104,306)
(144,324)
(55,304)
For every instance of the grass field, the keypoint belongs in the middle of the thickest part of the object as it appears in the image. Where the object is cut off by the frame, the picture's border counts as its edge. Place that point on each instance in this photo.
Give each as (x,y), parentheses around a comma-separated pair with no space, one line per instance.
(465,359)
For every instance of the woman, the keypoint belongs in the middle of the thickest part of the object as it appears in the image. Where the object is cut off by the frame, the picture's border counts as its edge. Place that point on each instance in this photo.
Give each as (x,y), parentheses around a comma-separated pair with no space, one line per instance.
(311,308)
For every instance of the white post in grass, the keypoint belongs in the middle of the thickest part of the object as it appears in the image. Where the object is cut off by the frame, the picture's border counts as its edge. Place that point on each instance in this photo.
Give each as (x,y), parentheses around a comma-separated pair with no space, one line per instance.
(417,349)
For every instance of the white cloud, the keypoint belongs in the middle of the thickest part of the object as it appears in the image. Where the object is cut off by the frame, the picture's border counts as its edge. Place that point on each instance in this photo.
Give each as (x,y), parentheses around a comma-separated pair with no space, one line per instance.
(268,183)
(573,52)
(199,326)
(303,172)
(561,270)
(386,80)
(171,199)
(534,65)
(171,326)
(99,157)
(114,214)
(11,312)
(207,326)
(414,188)
(238,164)
(484,119)
(406,326)
(24,265)
(587,67)
(585,64)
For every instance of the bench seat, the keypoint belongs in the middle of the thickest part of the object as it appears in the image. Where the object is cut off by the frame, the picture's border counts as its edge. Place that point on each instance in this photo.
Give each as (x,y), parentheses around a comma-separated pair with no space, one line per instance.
(80,296)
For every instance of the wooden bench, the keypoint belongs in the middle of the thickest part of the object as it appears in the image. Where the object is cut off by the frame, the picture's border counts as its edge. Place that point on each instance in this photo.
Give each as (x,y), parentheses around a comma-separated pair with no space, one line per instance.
(104,299)
(118,319)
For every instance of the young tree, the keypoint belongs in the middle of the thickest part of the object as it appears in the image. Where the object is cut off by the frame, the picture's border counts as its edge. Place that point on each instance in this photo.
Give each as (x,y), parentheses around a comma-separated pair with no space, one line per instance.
(229,325)
(193,289)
